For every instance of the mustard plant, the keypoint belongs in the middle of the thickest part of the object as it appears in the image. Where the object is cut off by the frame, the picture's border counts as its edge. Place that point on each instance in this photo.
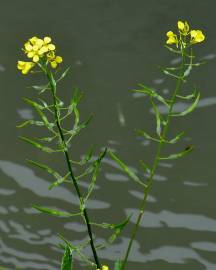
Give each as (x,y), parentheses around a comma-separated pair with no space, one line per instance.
(183,42)
(42,53)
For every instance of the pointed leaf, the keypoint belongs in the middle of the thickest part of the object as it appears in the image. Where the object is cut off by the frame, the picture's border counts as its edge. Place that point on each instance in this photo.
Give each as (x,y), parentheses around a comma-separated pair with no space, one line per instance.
(31,122)
(146,135)
(67,259)
(118,265)
(54,212)
(126,169)
(97,165)
(158,118)
(191,108)
(179,155)
(63,74)
(38,145)
(46,168)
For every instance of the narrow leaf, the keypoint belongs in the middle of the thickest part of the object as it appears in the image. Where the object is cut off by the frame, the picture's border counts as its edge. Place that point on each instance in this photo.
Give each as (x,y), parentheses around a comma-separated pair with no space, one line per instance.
(146,135)
(63,74)
(158,118)
(191,108)
(38,145)
(97,165)
(54,212)
(45,168)
(118,265)
(179,155)
(67,259)
(126,169)
(30,122)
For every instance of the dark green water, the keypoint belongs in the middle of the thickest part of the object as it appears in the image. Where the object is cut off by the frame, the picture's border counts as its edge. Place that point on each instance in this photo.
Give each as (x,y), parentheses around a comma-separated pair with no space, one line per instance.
(111,47)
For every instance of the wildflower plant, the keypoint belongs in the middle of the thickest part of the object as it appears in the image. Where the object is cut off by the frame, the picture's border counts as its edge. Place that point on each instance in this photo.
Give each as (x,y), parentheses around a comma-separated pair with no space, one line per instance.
(43,56)
(184,40)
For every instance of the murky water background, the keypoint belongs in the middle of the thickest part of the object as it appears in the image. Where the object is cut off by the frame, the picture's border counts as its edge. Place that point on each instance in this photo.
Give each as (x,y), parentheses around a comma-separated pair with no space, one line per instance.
(111,47)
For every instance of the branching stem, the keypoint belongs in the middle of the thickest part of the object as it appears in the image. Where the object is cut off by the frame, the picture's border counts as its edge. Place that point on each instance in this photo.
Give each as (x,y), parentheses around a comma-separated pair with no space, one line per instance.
(157,158)
(67,157)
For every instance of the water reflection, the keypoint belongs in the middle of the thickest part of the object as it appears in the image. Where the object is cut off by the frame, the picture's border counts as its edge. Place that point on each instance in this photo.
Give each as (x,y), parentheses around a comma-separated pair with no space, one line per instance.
(173,220)
(26,178)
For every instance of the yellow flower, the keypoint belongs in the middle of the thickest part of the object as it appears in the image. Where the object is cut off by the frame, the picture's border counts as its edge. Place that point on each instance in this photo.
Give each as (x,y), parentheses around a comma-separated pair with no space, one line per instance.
(25,66)
(197,36)
(104,267)
(54,60)
(36,47)
(172,38)
(183,28)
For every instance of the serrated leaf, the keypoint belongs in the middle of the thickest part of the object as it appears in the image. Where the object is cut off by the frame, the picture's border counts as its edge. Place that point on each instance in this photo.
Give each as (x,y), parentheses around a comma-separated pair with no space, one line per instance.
(126,169)
(96,165)
(190,109)
(54,212)
(67,259)
(179,155)
(38,145)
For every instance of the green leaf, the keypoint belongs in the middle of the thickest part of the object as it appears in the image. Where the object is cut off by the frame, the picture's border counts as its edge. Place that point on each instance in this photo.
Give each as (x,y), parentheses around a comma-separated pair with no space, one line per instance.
(45,168)
(191,108)
(96,165)
(179,155)
(146,168)
(76,130)
(117,230)
(87,157)
(31,122)
(77,249)
(67,259)
(126,169)
(152,93)
(158,118)
(173,50)
(41,88)
(54,212)
(146,135)
(38,145)
(39,109)
(118,265)
(176,139)
(59,181)
(63,75)
(113,226)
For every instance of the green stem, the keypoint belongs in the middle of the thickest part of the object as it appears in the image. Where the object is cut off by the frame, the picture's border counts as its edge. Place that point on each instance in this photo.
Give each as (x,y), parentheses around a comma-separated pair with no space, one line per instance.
(85,214)
(156,161)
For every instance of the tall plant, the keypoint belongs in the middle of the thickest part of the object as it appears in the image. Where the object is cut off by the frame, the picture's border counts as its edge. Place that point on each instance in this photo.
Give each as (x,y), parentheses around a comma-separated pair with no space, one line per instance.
(42,53)
(183,41)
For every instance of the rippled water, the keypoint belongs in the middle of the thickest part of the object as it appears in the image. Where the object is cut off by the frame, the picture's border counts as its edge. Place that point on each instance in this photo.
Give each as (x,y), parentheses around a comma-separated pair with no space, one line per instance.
(111,47)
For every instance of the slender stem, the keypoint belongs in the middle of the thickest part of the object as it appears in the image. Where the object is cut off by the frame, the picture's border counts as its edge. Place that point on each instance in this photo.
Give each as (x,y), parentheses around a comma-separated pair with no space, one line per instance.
(67,157)
(156,160)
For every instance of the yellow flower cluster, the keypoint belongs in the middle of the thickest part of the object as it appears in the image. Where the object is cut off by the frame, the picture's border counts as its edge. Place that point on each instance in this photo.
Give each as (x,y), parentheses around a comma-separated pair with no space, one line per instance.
(39,49)
(195,36)
(104,267)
